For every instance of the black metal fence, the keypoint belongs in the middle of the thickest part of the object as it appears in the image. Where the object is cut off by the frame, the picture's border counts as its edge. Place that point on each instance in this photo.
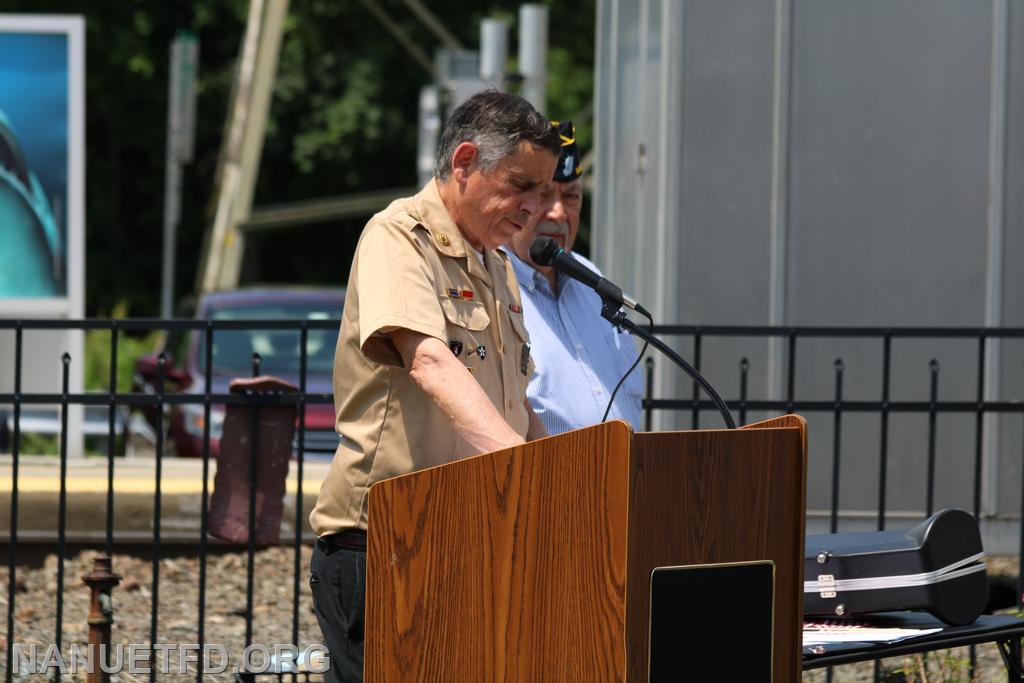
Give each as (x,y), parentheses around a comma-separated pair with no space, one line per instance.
(113,399)
(839,406)
(696,337)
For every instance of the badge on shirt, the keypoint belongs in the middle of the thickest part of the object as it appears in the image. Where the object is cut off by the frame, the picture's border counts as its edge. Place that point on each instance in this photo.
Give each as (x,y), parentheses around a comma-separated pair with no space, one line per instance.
(456,346)
(524,358)
(460,293)
(515,308)
(480,351)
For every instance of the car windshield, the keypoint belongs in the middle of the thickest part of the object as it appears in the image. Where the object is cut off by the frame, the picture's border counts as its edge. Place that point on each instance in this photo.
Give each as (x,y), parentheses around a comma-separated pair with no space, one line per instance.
(278,349)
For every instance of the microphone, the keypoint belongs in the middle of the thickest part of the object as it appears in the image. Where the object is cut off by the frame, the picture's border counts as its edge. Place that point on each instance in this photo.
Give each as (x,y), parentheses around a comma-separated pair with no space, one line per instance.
(545,252)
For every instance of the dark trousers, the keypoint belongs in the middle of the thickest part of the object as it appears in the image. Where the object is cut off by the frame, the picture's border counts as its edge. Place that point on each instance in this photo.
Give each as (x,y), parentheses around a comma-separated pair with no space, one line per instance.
(338,583)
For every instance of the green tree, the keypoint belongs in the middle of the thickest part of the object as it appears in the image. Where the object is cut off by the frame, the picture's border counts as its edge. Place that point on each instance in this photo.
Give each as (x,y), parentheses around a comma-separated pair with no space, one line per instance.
(343,119)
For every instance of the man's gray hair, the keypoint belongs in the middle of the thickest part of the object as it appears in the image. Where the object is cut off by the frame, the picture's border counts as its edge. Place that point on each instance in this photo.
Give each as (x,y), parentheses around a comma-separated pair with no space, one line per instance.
(496,123)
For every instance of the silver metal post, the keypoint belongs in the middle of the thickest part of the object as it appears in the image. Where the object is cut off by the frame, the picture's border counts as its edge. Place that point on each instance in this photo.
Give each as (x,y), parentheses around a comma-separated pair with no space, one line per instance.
(533,53)
(493,51)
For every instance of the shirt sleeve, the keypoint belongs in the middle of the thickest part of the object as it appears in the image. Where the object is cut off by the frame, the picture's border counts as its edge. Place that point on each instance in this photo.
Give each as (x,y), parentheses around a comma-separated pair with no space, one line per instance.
(397,289)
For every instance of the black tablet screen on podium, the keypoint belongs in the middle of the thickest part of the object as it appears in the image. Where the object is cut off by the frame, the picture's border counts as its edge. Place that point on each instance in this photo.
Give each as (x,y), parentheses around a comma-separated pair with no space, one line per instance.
(712,623)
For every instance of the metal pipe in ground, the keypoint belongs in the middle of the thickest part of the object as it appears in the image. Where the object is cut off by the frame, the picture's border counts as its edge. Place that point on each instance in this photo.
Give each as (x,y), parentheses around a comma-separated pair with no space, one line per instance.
(101,581)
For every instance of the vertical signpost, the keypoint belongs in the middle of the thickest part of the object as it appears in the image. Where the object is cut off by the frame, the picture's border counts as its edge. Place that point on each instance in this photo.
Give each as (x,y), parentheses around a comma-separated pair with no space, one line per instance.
(181,118)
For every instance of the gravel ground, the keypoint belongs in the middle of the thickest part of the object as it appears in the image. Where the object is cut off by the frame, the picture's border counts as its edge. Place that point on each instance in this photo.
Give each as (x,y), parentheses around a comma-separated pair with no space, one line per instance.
(35,610)
(35,614)
(949,666)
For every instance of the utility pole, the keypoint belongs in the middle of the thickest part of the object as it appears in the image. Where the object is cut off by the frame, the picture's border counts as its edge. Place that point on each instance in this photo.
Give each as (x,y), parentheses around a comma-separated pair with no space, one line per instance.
(238,166)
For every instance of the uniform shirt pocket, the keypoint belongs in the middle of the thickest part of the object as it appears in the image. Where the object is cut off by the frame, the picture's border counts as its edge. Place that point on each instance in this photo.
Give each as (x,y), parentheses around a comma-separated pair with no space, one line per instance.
(519,325)
(470,315)
(467,322)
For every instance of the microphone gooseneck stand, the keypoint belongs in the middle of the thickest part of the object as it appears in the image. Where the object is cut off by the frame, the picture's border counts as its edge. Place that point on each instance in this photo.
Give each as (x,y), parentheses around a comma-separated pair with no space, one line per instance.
(613,313)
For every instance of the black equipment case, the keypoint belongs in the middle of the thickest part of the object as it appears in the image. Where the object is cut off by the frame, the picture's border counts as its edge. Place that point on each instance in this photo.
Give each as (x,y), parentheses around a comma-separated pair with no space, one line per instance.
(937,567)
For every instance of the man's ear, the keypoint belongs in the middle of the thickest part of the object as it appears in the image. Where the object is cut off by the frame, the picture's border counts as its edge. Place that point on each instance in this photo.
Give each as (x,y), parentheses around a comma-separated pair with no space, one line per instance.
(463,161)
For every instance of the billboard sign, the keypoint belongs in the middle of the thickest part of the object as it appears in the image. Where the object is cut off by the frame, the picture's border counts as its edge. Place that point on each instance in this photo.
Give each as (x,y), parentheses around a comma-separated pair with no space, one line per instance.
(41,174)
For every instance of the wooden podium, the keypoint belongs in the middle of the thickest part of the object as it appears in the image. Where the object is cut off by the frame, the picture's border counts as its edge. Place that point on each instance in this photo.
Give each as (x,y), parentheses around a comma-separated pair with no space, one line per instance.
(534,563)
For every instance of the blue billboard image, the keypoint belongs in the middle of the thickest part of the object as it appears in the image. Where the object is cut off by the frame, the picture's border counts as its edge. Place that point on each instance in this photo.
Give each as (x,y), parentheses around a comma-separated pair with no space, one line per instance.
(33,165)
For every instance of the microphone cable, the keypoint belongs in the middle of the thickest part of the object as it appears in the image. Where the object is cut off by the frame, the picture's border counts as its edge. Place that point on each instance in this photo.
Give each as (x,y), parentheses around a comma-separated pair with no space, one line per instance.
(643,350)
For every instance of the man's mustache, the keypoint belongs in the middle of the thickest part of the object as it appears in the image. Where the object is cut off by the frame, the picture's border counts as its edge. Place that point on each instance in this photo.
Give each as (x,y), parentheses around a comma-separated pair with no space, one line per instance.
(553,228)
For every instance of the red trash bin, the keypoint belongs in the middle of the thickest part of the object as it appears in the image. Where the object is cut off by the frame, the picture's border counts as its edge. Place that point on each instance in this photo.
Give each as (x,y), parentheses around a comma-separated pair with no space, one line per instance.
(275,428)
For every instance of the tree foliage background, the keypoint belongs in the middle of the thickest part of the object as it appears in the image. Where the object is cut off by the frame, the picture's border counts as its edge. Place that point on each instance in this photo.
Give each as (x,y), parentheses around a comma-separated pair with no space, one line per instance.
(343,119)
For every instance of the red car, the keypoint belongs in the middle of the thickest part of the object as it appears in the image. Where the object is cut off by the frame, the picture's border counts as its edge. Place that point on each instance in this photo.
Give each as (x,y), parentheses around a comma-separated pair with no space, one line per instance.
(232,357)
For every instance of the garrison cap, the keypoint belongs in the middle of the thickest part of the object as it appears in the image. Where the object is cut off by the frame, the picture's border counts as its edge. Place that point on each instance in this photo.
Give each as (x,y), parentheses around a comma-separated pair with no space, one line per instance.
(569,166)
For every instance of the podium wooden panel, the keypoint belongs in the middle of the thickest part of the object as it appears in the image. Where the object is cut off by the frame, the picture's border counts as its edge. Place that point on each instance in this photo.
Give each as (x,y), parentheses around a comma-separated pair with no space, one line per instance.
(534,563)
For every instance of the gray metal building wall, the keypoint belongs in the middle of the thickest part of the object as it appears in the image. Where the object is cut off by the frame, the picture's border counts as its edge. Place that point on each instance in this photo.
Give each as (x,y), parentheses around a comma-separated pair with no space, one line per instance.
(806,162)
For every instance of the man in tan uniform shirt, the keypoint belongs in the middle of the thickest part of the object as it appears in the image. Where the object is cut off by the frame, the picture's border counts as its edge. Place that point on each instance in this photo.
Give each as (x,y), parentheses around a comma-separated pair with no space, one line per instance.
(433,357)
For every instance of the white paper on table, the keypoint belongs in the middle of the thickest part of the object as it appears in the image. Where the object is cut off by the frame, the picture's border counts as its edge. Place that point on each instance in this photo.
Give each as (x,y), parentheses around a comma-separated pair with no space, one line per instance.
(835,632)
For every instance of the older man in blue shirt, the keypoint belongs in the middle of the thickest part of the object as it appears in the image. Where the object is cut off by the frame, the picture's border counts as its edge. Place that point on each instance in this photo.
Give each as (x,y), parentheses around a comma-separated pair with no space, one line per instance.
(579,356)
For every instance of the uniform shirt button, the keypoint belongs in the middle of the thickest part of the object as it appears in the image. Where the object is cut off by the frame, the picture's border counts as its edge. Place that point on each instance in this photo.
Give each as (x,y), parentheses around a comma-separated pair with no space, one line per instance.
(510,405)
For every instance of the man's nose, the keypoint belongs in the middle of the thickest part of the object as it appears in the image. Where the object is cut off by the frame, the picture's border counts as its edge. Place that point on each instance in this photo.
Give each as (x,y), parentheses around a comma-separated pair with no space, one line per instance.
(556,212)
(533,204)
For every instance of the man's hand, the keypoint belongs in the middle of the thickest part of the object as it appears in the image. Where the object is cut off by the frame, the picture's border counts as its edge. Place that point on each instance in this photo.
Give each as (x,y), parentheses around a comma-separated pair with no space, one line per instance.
(454,391)
(537,429)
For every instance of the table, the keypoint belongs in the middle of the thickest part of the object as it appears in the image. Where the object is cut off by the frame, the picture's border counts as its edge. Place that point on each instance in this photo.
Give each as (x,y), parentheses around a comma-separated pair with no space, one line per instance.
(1003,630)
